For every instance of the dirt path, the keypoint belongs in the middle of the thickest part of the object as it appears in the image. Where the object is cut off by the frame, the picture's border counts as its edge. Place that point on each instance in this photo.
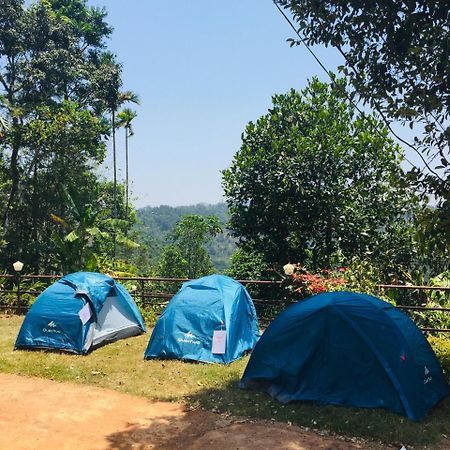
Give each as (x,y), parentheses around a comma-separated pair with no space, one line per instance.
(42,414)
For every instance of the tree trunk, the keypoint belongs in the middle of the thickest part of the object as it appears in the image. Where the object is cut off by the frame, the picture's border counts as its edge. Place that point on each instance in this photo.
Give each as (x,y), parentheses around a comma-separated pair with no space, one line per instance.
(126,173)
(115,177)
(14,172)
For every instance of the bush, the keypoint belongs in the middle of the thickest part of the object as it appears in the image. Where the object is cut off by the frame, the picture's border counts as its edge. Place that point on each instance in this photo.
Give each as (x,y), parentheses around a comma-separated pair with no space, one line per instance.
(439,299)
(441,346)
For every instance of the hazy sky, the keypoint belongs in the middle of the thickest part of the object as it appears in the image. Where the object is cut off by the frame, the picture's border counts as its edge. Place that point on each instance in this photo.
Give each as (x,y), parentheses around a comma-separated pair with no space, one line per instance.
(203,69)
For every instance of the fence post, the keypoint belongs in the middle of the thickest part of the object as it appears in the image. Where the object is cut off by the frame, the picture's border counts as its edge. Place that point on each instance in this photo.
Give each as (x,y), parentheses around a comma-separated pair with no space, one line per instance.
(142,292)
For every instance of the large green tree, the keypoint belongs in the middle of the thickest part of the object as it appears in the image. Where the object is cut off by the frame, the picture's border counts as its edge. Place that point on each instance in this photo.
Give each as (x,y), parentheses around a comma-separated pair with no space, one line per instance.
(56,83)
(316,184)
(396,57)
(60,147)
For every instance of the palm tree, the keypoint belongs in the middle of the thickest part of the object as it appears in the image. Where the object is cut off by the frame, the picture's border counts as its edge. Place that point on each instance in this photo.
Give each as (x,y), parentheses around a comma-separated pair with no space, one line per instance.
(125,118)
(122,97)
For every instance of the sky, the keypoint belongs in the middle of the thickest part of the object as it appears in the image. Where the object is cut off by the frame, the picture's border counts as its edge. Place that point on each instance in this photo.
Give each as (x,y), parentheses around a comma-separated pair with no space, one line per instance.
(202,70)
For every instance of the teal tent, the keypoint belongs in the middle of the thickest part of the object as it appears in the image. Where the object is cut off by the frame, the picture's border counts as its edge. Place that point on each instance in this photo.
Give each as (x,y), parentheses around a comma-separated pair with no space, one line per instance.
(211,319)
(78,313)
(344,348)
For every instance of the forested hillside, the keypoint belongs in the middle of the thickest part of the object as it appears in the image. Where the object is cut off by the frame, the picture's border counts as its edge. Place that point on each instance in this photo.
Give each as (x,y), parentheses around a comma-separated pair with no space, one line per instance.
(154,224)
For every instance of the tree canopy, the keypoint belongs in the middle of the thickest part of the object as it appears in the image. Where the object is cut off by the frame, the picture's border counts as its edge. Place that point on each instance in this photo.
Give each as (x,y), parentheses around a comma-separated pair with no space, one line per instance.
(316,184)
(57,83)
(186,255)
(396,57)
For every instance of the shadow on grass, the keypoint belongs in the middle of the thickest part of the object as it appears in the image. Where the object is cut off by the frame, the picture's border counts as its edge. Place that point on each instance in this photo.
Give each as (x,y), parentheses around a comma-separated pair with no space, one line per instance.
(202,430)
(374,424)
(230,401)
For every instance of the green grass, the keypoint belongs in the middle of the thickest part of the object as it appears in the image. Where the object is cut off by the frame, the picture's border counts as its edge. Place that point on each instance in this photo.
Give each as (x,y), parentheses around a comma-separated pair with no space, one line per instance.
(120,366)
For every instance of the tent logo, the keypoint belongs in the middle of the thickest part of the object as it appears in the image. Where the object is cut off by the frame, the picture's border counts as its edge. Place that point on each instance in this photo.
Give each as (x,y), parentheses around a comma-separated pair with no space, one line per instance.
(51,328)
(189,338)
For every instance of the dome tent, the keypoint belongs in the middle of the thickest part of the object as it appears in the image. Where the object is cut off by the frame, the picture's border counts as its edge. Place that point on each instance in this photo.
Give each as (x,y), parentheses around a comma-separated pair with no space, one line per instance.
(78,313)
(351,349)
(201,308)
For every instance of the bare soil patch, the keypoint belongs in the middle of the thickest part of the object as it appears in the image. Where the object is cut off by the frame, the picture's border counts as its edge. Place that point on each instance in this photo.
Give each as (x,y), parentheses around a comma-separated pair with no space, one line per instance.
(42,414)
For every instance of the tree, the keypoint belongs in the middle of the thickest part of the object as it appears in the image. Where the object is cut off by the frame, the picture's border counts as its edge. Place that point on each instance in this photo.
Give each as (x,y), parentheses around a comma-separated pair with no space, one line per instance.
(186,255)
(56,83)
(50,52)
(115,100)
(83,235)
(125,118)
(315,184)
(396,57)
(60,146)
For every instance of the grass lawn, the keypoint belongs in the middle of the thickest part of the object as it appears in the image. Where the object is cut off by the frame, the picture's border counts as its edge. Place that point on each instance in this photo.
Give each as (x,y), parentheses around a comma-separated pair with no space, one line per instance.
(121,366)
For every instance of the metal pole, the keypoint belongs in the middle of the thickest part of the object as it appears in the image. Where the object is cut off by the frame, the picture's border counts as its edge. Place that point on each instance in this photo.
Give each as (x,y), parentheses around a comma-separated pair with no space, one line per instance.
(19,306)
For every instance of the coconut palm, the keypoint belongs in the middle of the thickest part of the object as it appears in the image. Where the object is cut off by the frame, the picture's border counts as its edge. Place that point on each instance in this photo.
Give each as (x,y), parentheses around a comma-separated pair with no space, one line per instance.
(124,119)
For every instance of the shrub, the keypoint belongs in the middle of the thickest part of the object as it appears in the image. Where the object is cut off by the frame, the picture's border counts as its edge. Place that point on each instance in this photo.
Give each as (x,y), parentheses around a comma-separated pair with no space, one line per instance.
(305,283)
(438,299)
(441,346)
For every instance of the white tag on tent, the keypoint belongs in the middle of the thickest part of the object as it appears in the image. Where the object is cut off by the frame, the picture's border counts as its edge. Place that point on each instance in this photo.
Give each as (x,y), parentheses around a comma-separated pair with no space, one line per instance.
(219,342)
(85,313)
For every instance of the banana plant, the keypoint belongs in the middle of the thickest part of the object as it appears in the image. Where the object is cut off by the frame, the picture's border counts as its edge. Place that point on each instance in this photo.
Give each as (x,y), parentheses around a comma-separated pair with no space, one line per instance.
(84,235)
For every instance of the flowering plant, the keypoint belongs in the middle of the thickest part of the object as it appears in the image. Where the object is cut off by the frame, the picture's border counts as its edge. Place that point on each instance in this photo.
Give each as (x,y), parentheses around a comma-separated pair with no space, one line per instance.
(306,283)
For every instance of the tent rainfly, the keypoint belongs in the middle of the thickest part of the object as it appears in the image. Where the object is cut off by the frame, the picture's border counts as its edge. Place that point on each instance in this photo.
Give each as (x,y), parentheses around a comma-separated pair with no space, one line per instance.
(344,348)
(211,319)
(78,313)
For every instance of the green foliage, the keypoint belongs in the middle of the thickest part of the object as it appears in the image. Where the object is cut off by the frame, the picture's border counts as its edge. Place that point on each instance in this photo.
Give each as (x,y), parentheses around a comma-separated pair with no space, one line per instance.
(85,235)
(312,181)
(441,346)
(57,82)
(27,286)
(172,263)
(60,144)
(154,225)
(187,256)
(438,299)
(362,276)
(396,57)
(248,265)
(433,241)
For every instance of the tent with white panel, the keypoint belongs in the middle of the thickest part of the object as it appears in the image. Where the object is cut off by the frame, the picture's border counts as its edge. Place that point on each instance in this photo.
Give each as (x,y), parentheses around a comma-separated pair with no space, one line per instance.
(80,312)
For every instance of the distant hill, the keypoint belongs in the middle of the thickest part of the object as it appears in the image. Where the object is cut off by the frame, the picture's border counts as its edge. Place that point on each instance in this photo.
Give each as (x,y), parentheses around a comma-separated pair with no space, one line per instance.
(154,223)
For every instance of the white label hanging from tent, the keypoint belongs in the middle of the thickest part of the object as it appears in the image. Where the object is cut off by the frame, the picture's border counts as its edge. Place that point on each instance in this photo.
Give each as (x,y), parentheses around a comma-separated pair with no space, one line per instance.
(85,313)
(219,342)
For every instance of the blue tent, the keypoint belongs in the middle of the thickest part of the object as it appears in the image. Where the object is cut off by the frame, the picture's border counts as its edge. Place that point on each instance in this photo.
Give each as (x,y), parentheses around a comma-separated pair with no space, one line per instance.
(343,348)
(196,313)
(79,312)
